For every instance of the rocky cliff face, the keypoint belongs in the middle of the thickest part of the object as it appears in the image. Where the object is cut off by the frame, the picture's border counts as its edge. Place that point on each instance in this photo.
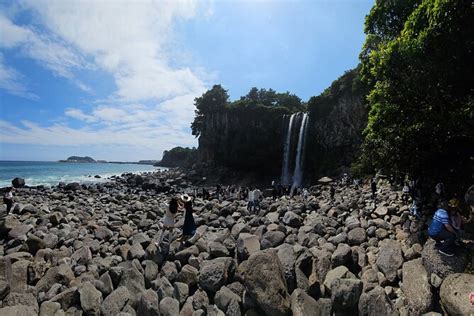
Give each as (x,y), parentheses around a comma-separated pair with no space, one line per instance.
(250,138)
(243,138)
(337,118)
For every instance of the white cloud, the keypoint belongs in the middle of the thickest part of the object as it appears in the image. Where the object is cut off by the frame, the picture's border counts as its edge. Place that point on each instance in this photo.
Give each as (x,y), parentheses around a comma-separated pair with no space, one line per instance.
(129,39)
(49,52)
(152,106)
(13,82)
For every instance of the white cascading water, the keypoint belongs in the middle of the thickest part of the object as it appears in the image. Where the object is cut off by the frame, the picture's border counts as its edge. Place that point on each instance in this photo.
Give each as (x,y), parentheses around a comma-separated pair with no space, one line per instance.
(298,174)
(285,173)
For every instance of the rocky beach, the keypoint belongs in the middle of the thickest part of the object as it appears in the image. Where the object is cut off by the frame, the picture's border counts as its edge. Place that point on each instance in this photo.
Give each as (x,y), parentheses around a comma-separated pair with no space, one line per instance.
(90,250)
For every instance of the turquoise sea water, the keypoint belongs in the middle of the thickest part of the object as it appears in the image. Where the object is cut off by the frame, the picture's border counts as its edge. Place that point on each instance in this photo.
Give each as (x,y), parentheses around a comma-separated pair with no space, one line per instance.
(51,173)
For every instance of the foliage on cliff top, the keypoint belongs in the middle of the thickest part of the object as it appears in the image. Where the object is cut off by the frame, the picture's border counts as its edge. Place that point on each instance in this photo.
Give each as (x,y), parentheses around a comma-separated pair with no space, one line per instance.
(347,86)
(217,100)
(178,157)
(422,104)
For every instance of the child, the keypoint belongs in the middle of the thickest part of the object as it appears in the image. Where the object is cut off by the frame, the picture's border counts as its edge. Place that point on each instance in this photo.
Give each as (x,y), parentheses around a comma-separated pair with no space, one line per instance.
(8,199)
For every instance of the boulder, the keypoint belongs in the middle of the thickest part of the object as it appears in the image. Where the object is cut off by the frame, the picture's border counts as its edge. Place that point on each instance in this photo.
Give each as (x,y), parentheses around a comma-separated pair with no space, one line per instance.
(439,264)
(342,256)
(376,303)
(115,302)
(292,219)
(61,274)
(390,258)
(134,281)
(416,287)
(169,307)
(102,233)
(17,310)
(90,298)
(287,257)
(149,304)
(356,236)
(247,244)
(215,273)
(18,182)
(302,304)
(224,297)
(454,293)
(265,282)
(345,295)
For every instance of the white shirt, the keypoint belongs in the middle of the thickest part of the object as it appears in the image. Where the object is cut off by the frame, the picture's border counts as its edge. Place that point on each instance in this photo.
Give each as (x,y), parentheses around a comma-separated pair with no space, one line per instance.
(251,196)
(9,195)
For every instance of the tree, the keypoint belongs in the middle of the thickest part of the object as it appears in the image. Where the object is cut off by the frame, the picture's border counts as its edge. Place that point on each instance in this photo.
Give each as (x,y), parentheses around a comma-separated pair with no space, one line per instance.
(211,101)
(421,117)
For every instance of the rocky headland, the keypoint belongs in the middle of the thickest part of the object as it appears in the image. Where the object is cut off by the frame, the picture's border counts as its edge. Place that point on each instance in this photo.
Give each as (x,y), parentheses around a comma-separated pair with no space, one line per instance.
(90,250)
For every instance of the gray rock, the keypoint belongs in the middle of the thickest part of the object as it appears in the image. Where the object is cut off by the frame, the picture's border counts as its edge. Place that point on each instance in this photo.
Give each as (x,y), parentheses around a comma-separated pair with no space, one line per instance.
(180,292)
(114,303)
(103,233)
(224,297)
(265,283)
(345,295)
(272,239)
(302,304)
(200,300)
(17,310)
(61,274)
(454,293)
(376,303)
(292,219)
(342,256)
(148,305)
(287,258)
(356,236)
(390,258)
(416,287)
(134,281)
(247,244)
(216,249)
(49,308)
(215,273)
(90,299)
(188,275)
(439,264)
(169,307)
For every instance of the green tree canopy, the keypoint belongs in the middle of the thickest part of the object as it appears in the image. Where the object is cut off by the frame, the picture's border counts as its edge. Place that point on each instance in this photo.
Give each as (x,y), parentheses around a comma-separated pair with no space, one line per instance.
(212,100)
(421,118)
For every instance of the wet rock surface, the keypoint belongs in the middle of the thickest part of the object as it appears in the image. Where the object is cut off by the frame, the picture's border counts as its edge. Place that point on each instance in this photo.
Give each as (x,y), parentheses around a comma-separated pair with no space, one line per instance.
(90,249)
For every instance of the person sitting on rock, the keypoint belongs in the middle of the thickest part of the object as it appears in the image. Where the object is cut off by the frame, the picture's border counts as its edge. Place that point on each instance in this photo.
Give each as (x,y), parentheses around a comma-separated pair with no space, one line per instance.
(169,219)
(8,199)
(442,231)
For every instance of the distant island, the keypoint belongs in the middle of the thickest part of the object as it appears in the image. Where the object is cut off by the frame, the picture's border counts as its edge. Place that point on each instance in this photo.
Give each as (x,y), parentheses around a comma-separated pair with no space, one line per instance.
(87,159)
(78,159)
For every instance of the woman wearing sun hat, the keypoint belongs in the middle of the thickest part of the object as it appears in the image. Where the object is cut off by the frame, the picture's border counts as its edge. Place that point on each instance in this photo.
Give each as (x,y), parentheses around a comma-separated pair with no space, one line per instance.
(189,226)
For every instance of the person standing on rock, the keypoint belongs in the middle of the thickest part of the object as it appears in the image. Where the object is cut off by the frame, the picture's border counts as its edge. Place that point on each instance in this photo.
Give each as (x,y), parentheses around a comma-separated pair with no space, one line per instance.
(373,186)
(442,231)
(189,226)
(8,199)
(257,195)
(250,201)
(405,194)
(169,220)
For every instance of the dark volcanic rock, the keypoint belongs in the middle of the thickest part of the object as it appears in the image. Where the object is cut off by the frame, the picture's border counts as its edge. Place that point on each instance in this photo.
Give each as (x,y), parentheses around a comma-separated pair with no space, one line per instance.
(265,283)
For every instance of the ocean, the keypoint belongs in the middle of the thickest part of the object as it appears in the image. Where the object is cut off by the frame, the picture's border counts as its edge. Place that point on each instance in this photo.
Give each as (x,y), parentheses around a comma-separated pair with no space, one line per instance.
(51,173)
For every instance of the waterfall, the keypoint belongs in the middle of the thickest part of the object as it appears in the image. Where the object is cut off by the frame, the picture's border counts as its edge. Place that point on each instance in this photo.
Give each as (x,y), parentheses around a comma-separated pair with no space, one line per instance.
(298,174)
(285,176)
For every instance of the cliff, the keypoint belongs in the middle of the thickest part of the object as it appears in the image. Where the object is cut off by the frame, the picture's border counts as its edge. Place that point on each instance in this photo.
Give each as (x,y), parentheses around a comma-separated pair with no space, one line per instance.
(247,135)
(337,119)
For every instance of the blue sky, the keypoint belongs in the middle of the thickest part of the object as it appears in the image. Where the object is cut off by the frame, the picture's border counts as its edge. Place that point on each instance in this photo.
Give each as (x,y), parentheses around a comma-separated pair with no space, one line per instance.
(116,80)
